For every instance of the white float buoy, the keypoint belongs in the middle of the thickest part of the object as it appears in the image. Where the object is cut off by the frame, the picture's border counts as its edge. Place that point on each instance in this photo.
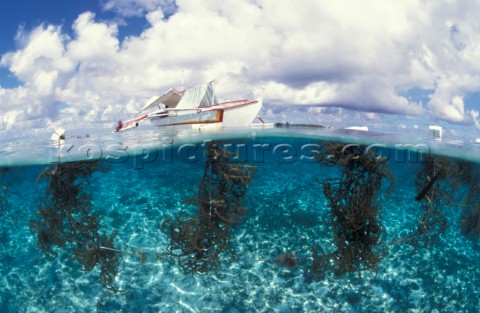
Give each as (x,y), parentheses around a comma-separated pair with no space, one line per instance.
(59,134)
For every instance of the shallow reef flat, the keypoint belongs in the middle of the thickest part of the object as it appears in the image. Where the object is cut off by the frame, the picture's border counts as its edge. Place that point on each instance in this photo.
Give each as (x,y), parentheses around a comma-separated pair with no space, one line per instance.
(263,221)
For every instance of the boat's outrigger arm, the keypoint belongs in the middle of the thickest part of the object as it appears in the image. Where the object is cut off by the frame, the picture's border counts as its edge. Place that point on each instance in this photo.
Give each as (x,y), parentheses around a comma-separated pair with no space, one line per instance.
(121,126)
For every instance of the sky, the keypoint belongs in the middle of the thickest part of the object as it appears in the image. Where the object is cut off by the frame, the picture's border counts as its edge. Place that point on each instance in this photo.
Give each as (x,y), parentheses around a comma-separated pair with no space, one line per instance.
(390,64)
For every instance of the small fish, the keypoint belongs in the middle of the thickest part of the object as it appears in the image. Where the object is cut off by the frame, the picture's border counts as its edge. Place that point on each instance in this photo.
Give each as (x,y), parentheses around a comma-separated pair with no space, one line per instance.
(424,191)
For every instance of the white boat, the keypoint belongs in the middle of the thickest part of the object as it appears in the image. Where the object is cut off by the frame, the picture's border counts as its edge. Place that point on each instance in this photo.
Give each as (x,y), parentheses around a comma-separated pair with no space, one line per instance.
(196,106)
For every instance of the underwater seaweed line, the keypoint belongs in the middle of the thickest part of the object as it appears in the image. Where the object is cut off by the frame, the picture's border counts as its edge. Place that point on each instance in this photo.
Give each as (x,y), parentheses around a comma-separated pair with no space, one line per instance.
(138,250)
(399,241)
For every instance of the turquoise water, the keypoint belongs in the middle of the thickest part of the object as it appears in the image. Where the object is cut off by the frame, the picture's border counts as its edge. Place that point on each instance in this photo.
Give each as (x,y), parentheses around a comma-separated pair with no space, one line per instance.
(153,175)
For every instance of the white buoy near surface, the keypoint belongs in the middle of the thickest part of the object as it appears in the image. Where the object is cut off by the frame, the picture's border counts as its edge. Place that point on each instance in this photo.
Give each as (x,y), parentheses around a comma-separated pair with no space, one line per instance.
(59,134)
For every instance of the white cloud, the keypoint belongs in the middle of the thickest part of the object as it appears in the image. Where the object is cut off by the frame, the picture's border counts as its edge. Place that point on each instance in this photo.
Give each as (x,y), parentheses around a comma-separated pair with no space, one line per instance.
(475,118)
(361,56)
(129,8)
(95,42)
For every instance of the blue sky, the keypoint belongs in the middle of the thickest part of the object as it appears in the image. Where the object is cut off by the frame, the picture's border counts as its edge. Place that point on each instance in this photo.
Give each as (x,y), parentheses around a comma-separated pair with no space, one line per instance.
(392,65)
(31,13)
(28,14)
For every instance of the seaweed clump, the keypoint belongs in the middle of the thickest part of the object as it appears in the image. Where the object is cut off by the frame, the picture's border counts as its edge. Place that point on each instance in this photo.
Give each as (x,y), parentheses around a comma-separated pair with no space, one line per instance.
(66,218)
(355,209)
(470,223)
(431,192)
(100,250)
(470,216)
(442,183)
(437,183)
(197,241)
(288,260)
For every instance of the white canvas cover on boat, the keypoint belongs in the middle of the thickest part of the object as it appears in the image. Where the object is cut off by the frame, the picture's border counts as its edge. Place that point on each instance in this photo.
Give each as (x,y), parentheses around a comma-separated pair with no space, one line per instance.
(200,96)
(169,99)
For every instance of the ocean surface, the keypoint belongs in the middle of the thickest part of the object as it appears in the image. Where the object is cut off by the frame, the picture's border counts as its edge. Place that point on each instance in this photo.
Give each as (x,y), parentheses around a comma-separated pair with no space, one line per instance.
(111,249)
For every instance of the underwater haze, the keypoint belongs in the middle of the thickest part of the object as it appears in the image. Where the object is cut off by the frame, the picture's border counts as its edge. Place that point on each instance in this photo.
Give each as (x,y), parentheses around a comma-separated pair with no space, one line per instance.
(260,220)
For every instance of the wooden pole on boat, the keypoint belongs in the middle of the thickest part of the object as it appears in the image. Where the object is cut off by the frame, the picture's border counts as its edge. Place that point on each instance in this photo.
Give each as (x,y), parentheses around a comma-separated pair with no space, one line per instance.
(182,81)
(213,93)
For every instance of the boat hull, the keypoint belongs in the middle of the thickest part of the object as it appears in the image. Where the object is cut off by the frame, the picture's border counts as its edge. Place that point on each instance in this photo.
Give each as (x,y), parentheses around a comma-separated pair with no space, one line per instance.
(241,114)
(229,114)
(187,118)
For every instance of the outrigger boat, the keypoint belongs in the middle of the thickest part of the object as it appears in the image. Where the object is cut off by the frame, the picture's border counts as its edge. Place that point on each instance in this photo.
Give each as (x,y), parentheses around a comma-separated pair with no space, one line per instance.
(196,106)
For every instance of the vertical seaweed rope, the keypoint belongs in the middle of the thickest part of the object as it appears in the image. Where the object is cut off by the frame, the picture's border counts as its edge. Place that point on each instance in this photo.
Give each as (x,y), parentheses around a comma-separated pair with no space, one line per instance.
(196,242)
(470,214)
(66,218)
(440,181)
(355,209)
(431,194)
